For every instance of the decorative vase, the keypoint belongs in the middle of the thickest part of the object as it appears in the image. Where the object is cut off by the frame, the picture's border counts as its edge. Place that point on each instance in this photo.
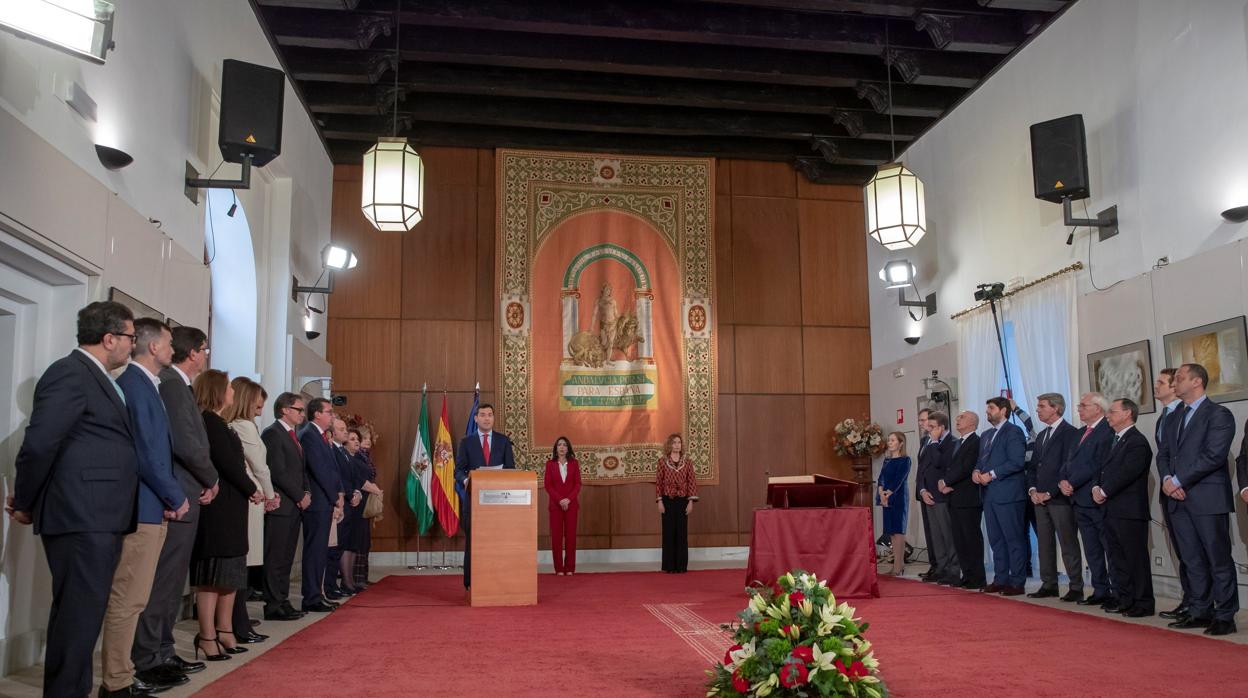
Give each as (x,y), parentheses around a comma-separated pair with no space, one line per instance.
(862,476)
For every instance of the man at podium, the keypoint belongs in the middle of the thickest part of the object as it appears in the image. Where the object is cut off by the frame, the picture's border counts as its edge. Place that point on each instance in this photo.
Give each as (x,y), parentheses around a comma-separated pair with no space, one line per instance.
(485,449)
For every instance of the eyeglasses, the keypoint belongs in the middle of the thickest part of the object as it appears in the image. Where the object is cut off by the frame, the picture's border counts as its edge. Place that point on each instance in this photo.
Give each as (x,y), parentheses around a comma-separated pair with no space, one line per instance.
(123,334)
(292,407)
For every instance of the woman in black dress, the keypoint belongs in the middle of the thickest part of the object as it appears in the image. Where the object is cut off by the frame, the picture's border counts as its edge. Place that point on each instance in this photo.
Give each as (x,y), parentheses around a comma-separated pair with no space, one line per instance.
(219,558)
(356,539)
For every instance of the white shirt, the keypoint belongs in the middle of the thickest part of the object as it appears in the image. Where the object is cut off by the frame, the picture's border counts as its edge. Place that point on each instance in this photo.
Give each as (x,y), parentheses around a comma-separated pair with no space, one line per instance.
(150,376)
(563,472)
(185,379)
(95,361)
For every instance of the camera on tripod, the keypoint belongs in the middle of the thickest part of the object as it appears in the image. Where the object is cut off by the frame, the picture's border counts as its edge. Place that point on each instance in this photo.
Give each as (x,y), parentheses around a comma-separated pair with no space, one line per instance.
(990,292)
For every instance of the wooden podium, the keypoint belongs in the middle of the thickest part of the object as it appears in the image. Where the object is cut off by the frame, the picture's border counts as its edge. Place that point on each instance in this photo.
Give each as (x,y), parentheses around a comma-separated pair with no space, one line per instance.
(504,537)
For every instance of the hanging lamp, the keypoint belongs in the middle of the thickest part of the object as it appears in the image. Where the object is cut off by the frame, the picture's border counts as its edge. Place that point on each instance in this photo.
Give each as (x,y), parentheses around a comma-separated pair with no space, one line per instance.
(896,213)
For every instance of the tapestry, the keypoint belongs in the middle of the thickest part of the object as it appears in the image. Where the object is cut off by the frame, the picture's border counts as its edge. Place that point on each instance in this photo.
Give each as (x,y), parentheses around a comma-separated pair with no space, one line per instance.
(605,280)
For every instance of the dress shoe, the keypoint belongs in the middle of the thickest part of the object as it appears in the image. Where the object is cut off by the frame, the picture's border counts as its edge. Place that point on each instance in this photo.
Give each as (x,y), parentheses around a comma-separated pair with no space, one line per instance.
(321,607)
(1115,608)
(127,691)
(1189,622)
(183,665)
(1110,602)
(1221,627)
(1012,591)
(972,586)
(950,582)
(251,638)
(291,609)
(1043,593)
(332,596)
(1094,600)
(162,674)
(1177,613)
(141,687)
(1073,595)
(1137,613)
(255,595)
(283,614)
(993,588)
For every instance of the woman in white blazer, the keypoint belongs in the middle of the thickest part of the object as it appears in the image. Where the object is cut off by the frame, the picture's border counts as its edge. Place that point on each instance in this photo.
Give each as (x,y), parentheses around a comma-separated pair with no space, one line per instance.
(249,400)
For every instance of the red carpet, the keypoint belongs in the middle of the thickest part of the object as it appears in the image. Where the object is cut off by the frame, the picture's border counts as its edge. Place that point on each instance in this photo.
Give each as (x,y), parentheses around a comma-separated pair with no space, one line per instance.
(648,634)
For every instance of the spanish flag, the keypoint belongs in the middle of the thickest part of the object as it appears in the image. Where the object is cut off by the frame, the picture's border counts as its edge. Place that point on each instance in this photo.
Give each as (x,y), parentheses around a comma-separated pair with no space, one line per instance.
(445,502)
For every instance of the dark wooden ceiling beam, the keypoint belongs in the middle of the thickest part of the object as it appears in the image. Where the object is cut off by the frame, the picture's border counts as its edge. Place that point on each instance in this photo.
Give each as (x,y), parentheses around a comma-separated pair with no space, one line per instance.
(970,33)
(1032,5)
(883,8)
(312,4)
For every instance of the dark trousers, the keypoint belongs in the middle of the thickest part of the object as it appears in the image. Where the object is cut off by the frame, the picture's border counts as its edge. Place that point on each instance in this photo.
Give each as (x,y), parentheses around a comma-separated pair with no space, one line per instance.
(1007,535)
(153,639)
(82,566)
(281,537)
(675,534)
(1055,523)
(1091,522)
(1205,542)
(1126,545)
(968,541)
(563,537)
(943,554)
(242,621)
(315,553)
(1181,567)
(361,561)
(927,537)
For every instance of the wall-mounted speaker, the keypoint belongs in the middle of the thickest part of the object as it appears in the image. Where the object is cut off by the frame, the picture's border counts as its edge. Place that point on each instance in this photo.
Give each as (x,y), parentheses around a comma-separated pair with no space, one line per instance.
(251,112)
(1059,159)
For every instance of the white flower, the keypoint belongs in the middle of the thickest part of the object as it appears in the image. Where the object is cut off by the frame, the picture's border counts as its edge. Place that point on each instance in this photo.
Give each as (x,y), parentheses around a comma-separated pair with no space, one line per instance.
(746,651)
(758,603)
(807,607)
(766,686)
(824,661)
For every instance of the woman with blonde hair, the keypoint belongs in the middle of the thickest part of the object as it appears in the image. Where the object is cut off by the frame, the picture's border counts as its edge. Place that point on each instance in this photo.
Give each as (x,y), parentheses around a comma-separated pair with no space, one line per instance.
(219,558)
(890,494)
(676,491)
(249,398)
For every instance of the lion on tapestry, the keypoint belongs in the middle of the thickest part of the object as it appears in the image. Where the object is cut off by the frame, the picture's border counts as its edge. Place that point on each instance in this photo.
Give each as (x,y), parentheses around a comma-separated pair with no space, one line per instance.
(586,348)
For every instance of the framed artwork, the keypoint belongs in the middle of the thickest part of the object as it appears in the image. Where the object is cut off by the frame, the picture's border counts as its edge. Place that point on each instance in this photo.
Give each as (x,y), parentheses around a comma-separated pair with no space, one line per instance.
(1222,348)
(1125,371)
(136,306)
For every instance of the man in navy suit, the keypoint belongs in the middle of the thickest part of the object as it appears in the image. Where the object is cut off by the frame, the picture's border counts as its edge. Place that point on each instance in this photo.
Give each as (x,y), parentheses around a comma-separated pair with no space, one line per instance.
(325,505)
(1081,473)
(1055,519)
(335,591)
(1000,470)
(966,507)
(485,449)
(934,460)
(1122,490)
(1193,457)
(78,483)
(1163,392)
(160,499)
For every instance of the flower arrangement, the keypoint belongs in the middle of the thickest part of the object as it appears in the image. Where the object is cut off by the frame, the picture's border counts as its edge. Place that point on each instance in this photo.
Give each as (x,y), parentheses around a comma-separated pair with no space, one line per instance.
(858,439)
(793,639)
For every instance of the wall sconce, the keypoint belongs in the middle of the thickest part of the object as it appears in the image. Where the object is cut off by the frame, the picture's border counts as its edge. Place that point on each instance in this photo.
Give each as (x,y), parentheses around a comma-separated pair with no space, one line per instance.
(1239,214)
(912,340)
(112,158)
(899,274)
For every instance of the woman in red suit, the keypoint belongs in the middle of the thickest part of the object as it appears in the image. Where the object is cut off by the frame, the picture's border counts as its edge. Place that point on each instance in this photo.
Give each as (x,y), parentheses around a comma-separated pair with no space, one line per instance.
(563,486)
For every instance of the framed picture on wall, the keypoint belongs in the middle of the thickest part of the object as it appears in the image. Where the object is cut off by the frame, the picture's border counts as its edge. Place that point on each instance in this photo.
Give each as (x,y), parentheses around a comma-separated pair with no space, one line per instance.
(1222,348)
(136,306)
(1125,371)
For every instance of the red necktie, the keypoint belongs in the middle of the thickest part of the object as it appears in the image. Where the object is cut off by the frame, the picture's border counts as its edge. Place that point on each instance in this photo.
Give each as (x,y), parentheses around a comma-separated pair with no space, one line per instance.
(1085,434)
(325,435)
(295,439)
(485,448)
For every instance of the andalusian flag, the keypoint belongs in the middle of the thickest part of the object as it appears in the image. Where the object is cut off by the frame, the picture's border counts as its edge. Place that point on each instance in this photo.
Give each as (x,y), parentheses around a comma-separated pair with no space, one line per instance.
(419,474)
(445,503)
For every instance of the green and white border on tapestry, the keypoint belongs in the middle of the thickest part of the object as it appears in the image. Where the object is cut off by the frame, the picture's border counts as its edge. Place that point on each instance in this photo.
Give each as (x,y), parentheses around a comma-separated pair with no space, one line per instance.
(539,190)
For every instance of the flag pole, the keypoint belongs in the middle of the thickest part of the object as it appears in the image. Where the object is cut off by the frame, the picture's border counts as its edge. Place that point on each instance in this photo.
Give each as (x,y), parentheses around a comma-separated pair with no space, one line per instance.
(419,566)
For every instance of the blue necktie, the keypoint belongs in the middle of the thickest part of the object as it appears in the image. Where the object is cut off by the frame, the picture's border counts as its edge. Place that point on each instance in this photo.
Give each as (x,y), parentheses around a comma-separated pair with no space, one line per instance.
(986,448)
(1161,423)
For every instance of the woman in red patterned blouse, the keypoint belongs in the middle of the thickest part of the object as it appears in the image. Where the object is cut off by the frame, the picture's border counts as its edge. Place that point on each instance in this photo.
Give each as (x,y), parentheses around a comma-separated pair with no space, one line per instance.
(676,492)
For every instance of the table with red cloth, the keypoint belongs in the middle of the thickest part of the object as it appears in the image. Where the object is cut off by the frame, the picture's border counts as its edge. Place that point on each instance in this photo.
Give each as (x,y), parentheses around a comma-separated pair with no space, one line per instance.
(833,544)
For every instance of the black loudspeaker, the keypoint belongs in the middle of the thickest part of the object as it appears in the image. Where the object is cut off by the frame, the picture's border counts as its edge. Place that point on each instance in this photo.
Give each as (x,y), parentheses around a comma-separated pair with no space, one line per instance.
(1059,159)
(251,112)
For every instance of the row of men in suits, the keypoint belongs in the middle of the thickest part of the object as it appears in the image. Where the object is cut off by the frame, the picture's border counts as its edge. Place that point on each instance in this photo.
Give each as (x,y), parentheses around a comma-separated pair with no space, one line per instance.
(1088,486)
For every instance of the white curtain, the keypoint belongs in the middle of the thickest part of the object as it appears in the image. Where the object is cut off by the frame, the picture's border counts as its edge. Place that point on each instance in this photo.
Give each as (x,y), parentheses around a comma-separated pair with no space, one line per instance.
(979,361)
(1046,334)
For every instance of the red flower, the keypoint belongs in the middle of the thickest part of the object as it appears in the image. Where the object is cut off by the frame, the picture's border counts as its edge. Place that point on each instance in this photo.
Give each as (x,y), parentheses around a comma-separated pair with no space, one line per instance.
(796,598)
(757,627)
(728,654)
(739,682)
(856,669)
(804,654)
(793,674)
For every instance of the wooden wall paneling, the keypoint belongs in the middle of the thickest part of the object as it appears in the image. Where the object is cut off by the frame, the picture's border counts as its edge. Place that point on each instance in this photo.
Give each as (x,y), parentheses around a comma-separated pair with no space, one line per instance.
(486,175)
(765,269)
(723,177)
(725,354)
(486,368)
(446,167)
(440,257)
(770,437)
(833,257)
(723,262)
(716,510)
(441,353)
(487,300)
(837,359)
(822,413)
(807,189)
(759,178)
(769,359)
(364,353)
(374,288)
(633,512)
(593,523)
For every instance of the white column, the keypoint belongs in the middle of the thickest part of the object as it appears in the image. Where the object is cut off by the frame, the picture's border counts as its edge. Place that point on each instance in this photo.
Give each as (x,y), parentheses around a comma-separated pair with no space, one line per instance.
(570,303)
(646,350)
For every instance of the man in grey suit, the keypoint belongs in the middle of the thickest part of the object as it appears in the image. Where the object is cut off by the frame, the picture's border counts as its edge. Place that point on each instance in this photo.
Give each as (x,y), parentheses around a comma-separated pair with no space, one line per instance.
(1193,458)
(1055,517)
(281,526)
(933,463)
(153,653)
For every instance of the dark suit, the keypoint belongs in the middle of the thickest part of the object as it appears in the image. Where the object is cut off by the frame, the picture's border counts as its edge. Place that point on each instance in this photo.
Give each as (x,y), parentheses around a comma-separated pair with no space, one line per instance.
(1055,519)
(924,439)
(284,456)
(1166,421)
(966,509)
(325,486)
(468,458)
(159,491)
(933,462)
(1124,482)
(1196,456)
(78,478)
(1002,453)
(1081,471)
(192,466)
(346,476)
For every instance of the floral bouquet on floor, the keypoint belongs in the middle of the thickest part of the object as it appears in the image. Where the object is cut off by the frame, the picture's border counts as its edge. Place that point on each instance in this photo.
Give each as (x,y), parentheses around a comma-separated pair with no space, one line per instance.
(858,439)
(793,639)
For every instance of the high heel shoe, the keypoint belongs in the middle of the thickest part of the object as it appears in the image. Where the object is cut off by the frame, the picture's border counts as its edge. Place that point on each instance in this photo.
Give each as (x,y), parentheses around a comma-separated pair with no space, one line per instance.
(229,650)
(219,657)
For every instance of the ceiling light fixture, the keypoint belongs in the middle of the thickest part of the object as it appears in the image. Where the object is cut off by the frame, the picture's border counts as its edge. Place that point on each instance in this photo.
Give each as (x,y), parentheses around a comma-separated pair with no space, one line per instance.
(896,213)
